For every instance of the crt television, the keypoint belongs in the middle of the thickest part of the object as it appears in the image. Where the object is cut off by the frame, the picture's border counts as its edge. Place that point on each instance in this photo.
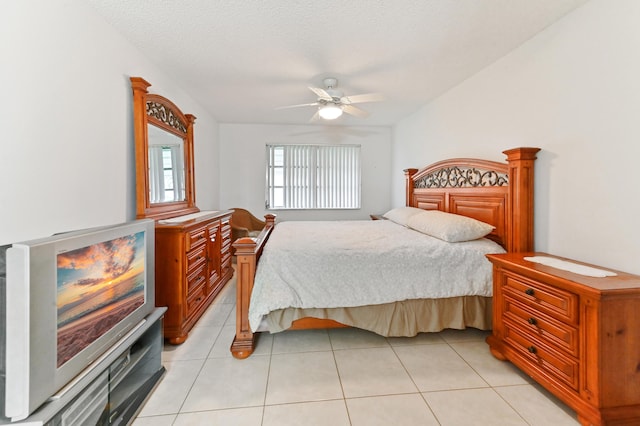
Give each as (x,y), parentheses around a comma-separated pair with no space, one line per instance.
(69,298)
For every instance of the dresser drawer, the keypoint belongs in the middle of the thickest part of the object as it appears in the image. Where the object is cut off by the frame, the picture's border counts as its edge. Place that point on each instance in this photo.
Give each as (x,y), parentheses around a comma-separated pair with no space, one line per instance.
(556,302)
(226,266)
(226,258)
(546,328)
(196,257)
(214,278)
(225,229)
(213,231)
(225,249)
(542,357)
(195,237)
(196,279)
(225,233)
(195,299)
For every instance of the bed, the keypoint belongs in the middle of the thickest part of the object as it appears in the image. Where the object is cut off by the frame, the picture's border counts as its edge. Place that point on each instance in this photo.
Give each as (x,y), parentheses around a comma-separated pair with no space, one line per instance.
(277,289)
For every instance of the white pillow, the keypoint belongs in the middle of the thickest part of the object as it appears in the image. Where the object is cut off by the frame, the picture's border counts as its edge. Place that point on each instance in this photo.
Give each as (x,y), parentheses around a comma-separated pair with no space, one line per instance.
(401,215)
(449,227)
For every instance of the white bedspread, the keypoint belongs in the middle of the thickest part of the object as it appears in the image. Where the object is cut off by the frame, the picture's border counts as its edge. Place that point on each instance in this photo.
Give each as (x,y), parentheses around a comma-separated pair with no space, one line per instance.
(355,263)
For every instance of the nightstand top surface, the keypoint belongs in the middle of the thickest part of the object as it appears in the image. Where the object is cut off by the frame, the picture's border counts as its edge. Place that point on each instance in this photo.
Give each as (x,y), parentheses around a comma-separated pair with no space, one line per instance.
(518,263)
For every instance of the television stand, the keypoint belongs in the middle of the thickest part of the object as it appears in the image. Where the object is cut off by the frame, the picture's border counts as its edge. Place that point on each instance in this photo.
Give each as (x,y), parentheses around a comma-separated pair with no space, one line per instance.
(113,389)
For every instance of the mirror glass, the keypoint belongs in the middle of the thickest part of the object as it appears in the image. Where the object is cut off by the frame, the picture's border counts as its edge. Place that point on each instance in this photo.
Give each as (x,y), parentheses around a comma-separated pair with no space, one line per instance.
(166,166)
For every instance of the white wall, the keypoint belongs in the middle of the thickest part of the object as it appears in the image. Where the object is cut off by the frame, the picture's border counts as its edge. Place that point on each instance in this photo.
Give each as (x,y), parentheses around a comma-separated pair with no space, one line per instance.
(574,91)
(67,140)
(67,154)
(242,171)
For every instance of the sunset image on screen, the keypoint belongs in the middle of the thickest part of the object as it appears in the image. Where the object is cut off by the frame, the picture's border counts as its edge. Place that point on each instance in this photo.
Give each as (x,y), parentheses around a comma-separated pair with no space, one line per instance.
(97,287)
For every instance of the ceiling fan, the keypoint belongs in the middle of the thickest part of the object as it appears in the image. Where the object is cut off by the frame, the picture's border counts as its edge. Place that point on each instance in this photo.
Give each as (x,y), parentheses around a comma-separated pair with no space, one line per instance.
(332,103)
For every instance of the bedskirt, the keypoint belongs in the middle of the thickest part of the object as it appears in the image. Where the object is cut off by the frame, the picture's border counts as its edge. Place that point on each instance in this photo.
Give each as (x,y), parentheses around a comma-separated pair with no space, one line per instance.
(399,319)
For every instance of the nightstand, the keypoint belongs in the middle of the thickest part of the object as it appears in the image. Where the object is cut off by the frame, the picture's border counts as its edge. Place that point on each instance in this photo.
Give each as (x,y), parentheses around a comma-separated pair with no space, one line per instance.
(377,217)
(576,335)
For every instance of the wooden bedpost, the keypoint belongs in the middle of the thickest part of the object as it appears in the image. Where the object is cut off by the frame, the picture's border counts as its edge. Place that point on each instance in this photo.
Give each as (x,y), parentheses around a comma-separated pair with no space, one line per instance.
(520,206)
(408,174)
(248,251)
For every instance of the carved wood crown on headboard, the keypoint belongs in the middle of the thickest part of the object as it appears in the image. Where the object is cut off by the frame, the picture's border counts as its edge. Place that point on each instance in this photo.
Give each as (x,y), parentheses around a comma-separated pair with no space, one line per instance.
(461,177)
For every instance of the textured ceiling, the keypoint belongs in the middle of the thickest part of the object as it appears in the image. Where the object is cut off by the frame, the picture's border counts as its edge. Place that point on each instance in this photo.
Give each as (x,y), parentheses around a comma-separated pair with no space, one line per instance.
(243,59)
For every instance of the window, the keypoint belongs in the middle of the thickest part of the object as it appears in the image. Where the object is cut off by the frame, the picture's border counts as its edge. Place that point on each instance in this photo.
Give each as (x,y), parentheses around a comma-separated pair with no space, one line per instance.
(167,183)
(313,177)
(167,170)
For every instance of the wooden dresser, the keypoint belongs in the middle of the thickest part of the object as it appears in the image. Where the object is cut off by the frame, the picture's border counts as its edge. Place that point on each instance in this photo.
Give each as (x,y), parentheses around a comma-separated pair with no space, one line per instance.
(193,263)
(578,336)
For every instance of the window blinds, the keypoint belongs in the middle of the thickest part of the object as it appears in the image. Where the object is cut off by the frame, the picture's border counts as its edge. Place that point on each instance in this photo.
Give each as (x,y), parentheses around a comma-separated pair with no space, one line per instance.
(313,176)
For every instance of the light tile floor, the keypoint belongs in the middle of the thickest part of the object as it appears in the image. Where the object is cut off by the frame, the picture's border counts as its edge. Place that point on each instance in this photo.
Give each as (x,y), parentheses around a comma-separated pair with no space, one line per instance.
(342,377)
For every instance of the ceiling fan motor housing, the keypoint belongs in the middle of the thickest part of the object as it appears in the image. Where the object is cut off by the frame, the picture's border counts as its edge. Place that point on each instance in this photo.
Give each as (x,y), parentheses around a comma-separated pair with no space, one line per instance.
(330,84)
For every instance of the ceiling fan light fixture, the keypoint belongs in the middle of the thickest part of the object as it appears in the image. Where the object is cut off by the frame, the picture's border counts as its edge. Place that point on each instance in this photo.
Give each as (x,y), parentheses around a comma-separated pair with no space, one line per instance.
(330,111)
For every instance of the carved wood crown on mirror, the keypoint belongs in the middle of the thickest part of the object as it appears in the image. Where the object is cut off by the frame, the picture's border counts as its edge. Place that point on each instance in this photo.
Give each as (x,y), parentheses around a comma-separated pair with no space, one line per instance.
(156,115)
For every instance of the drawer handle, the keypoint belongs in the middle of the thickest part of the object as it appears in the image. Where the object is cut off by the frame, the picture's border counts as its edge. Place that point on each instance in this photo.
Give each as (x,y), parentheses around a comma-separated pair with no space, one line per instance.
(532,321)
(532,349)
(529,291)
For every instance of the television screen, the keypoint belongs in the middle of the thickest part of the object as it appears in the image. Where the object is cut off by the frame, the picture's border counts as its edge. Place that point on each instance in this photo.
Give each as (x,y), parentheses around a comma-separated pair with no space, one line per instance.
(97,287)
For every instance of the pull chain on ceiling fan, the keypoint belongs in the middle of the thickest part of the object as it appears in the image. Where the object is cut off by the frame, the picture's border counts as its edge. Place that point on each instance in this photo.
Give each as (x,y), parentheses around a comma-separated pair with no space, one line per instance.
(332,103)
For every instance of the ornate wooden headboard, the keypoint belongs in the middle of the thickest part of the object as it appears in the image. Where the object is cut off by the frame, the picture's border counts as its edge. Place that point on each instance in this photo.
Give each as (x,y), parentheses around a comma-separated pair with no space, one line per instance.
(500,194)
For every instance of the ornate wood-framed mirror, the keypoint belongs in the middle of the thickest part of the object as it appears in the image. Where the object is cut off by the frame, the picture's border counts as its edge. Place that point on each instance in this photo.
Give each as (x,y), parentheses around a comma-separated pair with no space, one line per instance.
(164,155)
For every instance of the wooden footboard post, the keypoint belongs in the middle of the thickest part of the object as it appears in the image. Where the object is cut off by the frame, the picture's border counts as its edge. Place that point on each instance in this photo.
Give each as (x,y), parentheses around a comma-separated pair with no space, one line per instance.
(248,251)
(520,207)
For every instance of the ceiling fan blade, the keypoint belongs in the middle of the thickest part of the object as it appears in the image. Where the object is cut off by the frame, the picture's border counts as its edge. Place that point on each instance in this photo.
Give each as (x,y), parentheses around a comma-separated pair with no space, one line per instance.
(358,99)
(321,93)
(350,109)
(316,117)
(297,106)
